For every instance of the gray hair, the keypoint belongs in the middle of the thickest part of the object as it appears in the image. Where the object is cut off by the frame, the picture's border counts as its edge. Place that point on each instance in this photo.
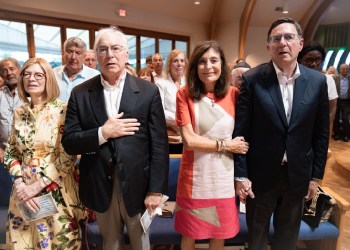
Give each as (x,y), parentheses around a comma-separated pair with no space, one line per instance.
(11,60)
(114,30)
(157,54)
(74,41)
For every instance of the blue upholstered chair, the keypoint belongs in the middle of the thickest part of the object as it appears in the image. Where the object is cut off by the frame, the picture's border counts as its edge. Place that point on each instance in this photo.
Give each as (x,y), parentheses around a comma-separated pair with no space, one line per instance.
(5,190)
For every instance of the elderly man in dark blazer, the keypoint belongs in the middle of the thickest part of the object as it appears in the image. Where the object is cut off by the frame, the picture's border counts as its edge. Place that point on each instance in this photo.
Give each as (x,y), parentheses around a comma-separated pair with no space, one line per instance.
(116,122)
(282,111)
(342,82)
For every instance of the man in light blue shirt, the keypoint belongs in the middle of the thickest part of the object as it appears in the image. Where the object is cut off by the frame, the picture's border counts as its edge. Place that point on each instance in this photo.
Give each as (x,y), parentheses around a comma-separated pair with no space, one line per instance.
(74,72)
(342,83)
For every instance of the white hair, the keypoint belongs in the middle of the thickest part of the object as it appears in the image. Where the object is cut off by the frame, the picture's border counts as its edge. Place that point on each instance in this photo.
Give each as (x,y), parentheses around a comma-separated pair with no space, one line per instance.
(114,30)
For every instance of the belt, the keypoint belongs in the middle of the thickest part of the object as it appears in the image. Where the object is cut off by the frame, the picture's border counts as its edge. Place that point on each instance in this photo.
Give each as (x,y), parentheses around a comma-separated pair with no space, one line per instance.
(284,163)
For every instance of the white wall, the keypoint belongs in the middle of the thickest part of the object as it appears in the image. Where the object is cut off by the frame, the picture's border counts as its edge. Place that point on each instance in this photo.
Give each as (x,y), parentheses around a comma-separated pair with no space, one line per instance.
(256,52)
(93,11)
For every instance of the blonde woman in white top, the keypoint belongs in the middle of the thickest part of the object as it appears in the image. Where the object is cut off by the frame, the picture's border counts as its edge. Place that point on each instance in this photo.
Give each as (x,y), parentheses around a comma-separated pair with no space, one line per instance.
(174,79)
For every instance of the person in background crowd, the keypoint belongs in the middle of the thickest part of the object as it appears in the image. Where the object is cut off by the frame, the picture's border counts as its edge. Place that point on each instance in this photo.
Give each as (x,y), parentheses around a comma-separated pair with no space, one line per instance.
(237,73)
(122,141)
(174,79)
(157,62)
(282,111)
(149,62)
(2,82)
(39,165)
(146,74)
(9,100)
(342,82)
(90,59)
(332,71)
(312,56)
(74,72)
(205,114)
(130,69)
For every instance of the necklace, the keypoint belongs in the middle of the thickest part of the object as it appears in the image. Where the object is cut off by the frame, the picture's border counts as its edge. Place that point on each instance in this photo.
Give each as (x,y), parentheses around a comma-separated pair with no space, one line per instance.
(211,97)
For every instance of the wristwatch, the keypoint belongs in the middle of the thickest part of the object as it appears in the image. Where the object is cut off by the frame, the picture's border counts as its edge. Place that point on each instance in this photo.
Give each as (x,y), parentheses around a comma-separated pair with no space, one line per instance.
(155,194)
(240,179)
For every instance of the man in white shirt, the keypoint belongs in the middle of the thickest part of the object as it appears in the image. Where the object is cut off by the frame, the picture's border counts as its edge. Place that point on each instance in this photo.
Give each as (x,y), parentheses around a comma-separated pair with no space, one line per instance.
(342,82)
(283,113)
(74,72)
(116,123)
(157,62)
(9,100)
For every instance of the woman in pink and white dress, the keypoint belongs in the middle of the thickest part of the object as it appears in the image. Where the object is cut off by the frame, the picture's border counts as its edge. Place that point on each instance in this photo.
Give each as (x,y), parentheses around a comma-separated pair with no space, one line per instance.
(205,111)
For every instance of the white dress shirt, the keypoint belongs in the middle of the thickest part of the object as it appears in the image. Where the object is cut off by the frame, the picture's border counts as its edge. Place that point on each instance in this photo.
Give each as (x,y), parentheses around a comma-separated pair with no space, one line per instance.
(168,92)
(113,95)
(287,88)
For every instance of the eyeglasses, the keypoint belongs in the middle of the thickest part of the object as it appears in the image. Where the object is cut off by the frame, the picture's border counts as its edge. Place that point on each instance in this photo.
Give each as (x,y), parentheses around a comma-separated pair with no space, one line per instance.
(310,61)
(37,76)
(103,50)
(288,37)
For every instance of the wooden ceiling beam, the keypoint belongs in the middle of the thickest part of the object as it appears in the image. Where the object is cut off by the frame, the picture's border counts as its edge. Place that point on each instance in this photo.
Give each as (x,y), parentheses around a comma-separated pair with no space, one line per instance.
(243,27)
(214,20)
(314,21)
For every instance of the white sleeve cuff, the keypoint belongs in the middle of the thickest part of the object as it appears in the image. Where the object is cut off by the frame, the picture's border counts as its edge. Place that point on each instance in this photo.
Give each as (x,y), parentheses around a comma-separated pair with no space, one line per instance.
(101,139)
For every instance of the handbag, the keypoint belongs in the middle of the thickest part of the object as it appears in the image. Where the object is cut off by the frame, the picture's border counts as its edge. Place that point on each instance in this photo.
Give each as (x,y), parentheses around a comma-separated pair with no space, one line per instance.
(319,208)
(168,209)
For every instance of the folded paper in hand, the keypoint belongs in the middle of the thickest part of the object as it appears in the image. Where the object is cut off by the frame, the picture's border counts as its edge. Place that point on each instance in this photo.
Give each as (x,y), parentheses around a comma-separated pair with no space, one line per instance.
(47,208)
(147,217)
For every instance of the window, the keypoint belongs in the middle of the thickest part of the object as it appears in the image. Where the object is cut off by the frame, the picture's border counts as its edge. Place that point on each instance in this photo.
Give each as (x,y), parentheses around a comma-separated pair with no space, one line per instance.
(148,47)
(82,34)
(13,41)
(132,51)
(165,47)
(181,46)
(47,41)
(43,36)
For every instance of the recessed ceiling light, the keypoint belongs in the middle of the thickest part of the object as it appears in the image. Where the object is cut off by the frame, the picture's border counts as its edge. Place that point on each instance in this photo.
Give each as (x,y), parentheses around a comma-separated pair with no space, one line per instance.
(197,2)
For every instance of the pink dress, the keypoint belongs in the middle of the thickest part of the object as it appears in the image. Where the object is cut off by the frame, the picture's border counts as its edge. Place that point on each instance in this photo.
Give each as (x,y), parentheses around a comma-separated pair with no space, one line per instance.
(205,198)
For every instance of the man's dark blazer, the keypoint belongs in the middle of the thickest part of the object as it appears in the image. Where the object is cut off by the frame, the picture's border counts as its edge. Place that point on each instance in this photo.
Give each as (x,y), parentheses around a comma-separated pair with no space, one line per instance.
(142,160)
(337,84)
(261,119)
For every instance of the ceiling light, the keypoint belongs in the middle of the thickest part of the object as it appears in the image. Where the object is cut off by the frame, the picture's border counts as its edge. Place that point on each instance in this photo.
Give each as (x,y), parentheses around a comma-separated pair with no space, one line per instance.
(197,2)
(285,8)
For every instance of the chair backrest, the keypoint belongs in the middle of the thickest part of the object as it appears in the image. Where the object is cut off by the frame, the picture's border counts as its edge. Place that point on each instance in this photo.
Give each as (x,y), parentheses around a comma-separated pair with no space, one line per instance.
(5,186)
(174,167)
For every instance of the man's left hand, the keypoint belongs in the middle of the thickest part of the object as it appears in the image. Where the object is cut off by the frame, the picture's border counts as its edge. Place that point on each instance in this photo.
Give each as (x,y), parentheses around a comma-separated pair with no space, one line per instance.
(313,185)
(152,202)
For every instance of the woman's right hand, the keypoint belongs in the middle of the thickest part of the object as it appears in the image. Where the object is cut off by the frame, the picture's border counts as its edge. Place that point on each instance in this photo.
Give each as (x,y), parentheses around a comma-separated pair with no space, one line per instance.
(26,194)
(237,145)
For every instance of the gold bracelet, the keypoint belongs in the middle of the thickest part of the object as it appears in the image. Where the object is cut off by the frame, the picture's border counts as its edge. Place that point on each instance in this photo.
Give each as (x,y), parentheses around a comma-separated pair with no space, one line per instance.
(224,146)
